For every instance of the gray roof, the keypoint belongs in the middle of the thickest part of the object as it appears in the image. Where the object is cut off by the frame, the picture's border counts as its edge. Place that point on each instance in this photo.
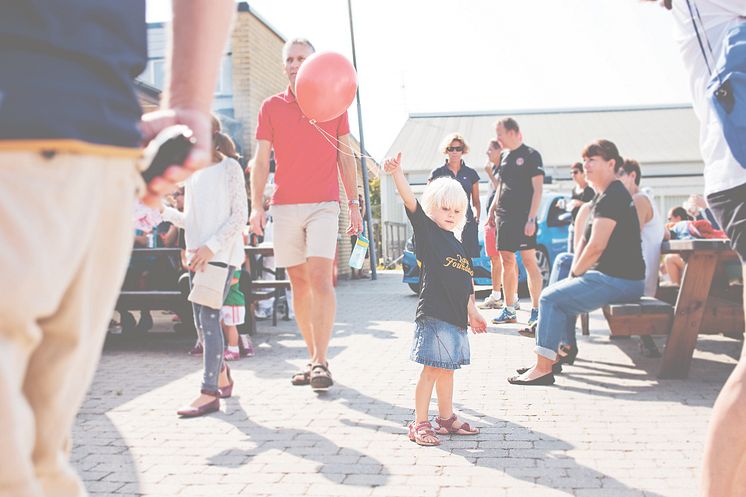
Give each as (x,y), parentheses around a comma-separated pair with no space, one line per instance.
(661,134)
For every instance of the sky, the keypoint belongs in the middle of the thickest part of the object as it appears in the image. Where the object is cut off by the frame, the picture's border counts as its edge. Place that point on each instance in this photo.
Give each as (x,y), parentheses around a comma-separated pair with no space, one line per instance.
(430,56)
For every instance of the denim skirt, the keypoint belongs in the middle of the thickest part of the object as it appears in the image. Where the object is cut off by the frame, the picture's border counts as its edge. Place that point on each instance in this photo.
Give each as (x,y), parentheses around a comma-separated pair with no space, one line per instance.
(440,344)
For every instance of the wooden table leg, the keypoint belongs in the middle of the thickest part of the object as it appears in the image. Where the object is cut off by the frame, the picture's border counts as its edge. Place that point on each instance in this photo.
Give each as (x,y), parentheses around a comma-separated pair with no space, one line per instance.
(690,306)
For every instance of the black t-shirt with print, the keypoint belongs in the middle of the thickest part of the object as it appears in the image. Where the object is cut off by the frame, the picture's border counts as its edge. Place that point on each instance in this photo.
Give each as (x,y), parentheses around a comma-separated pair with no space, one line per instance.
(517,169)
(445,274)
(622,257)
(586,195)
(466,176)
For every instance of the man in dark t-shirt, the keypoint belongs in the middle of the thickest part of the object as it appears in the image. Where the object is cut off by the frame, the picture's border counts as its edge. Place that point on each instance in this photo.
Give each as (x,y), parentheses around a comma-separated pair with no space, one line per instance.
(514,212)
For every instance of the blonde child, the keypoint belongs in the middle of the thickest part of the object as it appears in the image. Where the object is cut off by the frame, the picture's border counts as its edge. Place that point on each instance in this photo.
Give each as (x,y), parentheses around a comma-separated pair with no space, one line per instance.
(446,304)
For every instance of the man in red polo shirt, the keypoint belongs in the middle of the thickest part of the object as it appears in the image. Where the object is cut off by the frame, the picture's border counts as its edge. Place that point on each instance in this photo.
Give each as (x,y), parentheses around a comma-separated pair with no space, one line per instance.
(305,208)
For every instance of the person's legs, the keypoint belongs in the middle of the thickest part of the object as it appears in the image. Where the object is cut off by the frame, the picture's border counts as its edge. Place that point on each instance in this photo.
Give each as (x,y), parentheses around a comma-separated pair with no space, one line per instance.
(301,286)
(560,305)
(424,392)
(51,334)
(510,277)
(533,274)
(561,267)
(444,391)
(324,306)
(724,467)
(674,267)
(496,271)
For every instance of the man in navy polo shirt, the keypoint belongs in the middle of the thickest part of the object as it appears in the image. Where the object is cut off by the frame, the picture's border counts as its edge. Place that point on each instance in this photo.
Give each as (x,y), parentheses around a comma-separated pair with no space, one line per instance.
(70,138)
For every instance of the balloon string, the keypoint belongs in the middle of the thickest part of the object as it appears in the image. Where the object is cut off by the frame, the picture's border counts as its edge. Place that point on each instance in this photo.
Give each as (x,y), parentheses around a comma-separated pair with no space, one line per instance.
(329,137)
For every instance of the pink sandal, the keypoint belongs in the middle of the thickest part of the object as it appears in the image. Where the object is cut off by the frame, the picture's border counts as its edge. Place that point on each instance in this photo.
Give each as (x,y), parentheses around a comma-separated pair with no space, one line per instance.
(445,426)
(419,432)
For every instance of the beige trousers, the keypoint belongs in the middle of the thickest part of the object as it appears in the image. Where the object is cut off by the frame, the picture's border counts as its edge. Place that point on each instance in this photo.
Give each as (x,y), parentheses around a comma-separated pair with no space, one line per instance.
(65,238)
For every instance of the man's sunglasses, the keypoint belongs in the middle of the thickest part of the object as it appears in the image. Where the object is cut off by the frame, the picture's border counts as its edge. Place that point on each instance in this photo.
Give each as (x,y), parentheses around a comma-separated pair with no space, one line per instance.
(454,149)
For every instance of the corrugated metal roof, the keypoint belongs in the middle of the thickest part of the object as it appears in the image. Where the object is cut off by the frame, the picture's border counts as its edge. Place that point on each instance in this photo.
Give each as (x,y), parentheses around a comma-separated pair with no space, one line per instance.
(661,134)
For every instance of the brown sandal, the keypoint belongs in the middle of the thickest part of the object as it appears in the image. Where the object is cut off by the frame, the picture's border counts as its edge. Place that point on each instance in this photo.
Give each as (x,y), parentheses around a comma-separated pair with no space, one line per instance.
(321,378)
(445,426)
(420,432)
(302,377)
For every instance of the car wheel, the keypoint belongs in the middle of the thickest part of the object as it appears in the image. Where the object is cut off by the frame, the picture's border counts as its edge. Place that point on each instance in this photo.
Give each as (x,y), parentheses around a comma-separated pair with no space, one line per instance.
(415,287)
(542,260)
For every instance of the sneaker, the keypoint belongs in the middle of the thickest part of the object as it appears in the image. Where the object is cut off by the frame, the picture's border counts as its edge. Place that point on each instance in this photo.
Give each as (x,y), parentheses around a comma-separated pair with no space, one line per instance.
(491,303)
(245,345)
(517,305)
(196,350)
(534,318)
(506,316)
(231,356)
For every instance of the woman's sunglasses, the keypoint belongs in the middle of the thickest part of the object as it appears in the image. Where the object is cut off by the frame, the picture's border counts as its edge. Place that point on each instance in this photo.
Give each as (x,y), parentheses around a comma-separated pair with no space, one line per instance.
(454,149)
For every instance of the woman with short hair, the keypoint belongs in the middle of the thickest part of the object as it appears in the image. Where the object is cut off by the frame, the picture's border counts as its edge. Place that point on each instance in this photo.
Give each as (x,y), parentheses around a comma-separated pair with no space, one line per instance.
(608,266)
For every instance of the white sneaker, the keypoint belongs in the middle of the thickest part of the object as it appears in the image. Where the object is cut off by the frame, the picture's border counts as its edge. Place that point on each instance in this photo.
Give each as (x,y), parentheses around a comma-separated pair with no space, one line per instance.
(491,303)
(517,305)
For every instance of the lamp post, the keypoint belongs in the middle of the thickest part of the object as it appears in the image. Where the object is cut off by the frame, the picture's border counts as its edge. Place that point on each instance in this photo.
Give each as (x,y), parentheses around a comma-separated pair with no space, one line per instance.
(366,189)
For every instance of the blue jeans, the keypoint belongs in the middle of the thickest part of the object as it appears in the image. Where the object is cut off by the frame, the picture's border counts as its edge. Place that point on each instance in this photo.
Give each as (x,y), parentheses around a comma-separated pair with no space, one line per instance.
(207,321)
(561,303)
(561,267)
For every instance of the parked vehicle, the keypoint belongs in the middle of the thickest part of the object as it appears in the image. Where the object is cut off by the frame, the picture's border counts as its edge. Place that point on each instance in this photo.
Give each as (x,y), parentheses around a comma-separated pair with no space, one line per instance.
(551,239)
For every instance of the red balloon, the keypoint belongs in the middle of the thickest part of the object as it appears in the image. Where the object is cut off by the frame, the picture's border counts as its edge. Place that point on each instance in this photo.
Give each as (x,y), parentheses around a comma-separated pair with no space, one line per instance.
(325,86)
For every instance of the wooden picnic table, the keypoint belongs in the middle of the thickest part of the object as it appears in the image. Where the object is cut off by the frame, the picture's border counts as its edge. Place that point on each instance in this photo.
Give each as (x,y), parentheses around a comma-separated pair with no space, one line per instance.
(696,310)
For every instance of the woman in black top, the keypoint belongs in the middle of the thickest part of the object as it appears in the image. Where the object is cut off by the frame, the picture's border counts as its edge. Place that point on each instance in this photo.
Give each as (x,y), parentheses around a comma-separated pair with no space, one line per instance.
(608,266)
(454,148)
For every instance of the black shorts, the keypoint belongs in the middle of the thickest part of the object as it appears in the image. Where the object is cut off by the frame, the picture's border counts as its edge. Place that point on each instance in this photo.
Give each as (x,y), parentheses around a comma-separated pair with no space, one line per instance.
(511,237)
(729,207)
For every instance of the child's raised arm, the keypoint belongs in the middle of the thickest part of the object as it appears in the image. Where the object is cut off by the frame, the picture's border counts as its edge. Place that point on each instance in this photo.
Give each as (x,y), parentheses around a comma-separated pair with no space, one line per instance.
(393,167)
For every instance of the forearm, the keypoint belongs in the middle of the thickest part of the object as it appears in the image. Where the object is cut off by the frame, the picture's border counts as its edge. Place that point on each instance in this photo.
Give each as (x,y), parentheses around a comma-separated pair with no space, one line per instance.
(200,31)
(588,256)
(535,203)
(259,176)
(405,191)
(348,173)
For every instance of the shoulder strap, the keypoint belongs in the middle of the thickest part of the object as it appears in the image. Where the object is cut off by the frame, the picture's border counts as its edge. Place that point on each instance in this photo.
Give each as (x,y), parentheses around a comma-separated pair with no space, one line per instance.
(692,10)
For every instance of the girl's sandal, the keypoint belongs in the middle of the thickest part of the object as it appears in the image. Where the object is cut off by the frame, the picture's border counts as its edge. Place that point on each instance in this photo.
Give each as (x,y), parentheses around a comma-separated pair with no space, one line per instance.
(302,377)
(445,426)
(423,434)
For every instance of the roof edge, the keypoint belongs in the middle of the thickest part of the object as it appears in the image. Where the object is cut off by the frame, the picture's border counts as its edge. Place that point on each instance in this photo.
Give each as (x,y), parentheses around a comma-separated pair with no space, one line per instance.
(245,7)
(565,110)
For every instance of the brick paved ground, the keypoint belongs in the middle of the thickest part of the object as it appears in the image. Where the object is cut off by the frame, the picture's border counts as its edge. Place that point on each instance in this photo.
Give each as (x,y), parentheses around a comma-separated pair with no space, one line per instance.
(608,428)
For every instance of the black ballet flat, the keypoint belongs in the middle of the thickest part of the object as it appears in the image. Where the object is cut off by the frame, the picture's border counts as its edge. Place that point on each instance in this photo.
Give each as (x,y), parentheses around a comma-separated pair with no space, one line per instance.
(546,380)
(572,353)
(556,369)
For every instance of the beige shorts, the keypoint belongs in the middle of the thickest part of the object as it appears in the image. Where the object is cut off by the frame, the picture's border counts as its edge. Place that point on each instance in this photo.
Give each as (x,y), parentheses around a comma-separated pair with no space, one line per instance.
(304,230)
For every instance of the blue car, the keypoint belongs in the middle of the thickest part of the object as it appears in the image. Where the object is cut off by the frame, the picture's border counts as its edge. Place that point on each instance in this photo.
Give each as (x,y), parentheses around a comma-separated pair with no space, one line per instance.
(551,239)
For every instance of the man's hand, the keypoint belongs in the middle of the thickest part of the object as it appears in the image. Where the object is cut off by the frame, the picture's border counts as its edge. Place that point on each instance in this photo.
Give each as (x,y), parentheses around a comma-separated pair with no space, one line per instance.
(477,322)
(200,258)
(491,219)
(530,228)
(258,220)
(151,124)
(356,221)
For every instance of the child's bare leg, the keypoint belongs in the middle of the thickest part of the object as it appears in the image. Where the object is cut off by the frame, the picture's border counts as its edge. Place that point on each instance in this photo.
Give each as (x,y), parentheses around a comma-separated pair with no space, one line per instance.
(231,335)
(424,392)
(444,390)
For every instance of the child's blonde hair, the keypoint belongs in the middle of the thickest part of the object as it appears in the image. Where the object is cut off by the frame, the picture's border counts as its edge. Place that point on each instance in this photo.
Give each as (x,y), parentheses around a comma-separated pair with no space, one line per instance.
(446,192)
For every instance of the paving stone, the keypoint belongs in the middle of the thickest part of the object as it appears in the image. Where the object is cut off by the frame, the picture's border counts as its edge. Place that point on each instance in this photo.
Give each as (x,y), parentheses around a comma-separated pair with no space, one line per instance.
(608,428)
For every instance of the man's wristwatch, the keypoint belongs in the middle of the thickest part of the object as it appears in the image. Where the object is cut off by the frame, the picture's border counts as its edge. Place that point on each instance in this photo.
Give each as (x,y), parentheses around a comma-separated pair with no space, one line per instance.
(531,220)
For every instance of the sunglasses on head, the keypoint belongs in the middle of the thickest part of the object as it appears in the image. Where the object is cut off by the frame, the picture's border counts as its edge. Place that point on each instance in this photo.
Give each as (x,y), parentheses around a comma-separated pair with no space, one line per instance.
(454,149)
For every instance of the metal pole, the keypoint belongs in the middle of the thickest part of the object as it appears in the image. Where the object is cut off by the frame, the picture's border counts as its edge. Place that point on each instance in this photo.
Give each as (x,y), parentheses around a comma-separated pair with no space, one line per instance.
(366,188)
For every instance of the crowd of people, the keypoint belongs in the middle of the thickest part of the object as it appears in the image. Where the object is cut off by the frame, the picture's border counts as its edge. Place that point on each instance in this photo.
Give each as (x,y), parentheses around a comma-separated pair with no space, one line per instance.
(84,128)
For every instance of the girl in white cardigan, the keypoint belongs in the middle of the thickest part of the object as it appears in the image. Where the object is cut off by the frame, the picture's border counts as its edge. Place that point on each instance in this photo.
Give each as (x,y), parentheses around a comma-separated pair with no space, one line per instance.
(215,212)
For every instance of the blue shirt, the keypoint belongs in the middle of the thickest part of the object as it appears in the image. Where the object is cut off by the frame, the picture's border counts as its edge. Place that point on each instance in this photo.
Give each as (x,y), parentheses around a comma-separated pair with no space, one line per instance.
(68,68)
(466,176)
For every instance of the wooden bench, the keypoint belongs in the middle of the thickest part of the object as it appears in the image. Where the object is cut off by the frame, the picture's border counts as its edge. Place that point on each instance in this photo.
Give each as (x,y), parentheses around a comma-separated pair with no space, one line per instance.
(261,289)
(649,316)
